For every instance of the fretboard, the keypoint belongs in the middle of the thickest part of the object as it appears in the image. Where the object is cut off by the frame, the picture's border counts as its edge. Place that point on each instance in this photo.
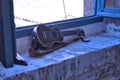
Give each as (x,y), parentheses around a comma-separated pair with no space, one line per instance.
(78,32)
(68,33)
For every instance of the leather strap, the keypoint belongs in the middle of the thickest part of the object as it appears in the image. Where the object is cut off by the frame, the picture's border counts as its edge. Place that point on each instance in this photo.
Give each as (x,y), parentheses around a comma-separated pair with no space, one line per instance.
(35,52)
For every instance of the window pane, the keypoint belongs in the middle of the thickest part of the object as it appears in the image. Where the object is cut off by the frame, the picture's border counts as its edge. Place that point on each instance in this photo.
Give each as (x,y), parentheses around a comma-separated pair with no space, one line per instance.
(28,12)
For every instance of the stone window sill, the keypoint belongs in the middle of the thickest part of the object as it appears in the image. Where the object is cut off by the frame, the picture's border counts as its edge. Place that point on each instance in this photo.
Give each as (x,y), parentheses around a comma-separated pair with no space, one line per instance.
(80,56)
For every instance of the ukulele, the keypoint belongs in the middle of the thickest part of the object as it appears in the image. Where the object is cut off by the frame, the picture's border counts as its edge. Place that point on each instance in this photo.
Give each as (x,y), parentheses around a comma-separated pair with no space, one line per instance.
(45,37)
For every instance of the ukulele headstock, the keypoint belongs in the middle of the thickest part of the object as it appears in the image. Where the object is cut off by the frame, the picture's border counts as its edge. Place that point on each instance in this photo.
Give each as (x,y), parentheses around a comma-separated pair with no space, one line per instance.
(81,35)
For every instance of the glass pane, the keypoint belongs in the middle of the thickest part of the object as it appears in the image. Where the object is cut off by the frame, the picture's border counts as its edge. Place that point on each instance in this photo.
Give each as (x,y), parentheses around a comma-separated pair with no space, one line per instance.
(29,12)
(112,4)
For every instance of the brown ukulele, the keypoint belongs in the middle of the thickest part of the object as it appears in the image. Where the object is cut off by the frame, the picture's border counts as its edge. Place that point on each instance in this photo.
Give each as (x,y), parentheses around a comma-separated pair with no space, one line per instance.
(46,37)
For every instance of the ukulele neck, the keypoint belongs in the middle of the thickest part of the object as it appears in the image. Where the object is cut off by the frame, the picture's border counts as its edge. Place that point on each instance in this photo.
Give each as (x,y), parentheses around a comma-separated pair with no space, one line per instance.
(78,32)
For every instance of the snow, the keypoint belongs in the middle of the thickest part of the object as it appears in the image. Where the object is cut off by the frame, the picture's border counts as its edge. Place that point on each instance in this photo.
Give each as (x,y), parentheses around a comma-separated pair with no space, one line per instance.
(113,29)
(43,11)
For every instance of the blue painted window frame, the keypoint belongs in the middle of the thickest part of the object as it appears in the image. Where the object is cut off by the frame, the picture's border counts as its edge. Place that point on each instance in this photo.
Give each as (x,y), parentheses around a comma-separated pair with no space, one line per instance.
(7,34)
(26,30)
(102,11)
(15,33)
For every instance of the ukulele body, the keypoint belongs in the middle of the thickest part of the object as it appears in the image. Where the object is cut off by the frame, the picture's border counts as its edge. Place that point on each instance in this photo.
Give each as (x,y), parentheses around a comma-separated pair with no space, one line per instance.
(46,37)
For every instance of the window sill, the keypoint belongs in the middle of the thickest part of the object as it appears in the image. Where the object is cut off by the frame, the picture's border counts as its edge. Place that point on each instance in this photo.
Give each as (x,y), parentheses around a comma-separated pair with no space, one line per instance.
(100,51)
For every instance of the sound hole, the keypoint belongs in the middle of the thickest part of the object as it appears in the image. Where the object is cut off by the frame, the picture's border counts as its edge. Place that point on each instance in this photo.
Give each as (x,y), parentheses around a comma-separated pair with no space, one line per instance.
(54,34)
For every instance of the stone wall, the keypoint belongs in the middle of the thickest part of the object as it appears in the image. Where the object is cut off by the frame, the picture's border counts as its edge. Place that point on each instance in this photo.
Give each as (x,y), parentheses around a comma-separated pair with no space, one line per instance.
(116,21)
(112,3)
(88,7)
(92,66)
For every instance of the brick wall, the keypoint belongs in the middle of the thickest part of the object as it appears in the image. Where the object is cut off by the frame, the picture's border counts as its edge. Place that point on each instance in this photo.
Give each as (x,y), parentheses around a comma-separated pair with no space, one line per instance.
(78,61)
(88,7)
(112,3)
(92,66)
(116,21)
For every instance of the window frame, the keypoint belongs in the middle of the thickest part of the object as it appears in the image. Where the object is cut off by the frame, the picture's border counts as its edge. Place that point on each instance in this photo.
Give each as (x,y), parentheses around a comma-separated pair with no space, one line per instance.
(7,34)
(16,33)
(63,24)
(102,11)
